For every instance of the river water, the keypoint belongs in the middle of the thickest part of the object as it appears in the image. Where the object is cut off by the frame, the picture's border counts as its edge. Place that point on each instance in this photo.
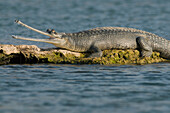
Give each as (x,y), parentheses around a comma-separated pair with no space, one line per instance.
(53,88)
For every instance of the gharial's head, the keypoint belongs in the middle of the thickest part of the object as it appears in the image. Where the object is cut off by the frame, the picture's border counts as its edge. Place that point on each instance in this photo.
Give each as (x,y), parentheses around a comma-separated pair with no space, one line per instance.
(55,38)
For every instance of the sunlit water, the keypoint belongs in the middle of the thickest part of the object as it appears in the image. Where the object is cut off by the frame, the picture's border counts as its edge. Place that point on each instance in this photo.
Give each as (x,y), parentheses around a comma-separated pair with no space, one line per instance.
(50,88)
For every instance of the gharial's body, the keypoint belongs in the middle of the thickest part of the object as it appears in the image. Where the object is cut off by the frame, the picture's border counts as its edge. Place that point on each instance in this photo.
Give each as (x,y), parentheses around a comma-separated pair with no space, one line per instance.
(102,38)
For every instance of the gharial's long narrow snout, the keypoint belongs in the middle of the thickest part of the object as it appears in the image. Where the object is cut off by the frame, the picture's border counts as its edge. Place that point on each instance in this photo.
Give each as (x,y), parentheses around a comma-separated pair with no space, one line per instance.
(54,41)
(50,33)
(32,39)
(29,27)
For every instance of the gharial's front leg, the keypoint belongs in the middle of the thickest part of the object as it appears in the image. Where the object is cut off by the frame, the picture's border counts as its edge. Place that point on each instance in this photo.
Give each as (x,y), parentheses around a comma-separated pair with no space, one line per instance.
(96,52)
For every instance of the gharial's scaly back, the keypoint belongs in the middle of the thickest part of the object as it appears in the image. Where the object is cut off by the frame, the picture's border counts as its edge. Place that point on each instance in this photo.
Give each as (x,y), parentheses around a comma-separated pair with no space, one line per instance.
(100,30)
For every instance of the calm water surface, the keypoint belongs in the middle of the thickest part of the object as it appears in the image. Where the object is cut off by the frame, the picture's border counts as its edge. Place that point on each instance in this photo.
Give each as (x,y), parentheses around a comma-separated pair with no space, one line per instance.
(50,88)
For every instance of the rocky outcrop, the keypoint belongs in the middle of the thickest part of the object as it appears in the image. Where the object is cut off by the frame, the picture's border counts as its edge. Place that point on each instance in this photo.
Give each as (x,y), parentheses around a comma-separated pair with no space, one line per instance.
(29,54)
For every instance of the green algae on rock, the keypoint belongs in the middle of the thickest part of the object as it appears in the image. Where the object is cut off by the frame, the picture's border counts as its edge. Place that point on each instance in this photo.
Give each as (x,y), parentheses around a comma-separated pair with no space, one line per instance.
(30,54)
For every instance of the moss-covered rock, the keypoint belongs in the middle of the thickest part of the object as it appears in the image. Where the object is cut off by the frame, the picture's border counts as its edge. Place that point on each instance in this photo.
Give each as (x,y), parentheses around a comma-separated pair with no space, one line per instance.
(32,54)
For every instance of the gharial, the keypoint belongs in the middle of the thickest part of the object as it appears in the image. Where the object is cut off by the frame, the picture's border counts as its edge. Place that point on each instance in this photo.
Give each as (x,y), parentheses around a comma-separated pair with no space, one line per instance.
(102,38)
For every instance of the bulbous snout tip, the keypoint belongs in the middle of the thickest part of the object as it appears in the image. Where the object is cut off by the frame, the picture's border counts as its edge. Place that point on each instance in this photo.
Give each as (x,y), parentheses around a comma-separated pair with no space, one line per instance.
(14,36)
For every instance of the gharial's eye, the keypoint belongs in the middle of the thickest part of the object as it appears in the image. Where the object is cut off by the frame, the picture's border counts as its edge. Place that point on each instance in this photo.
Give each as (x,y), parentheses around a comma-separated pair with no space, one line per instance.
(53,30)
(48,31)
